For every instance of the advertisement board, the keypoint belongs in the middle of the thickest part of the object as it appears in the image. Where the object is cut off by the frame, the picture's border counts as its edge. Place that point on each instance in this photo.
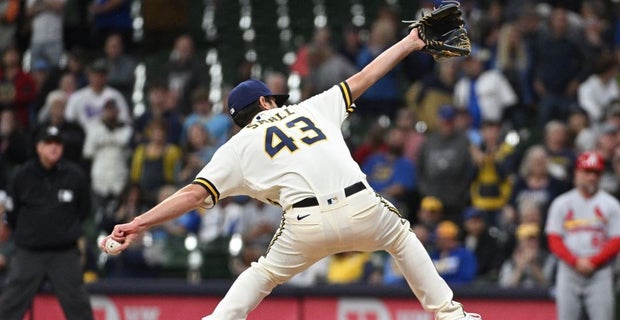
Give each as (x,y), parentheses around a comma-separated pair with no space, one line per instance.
(158,307)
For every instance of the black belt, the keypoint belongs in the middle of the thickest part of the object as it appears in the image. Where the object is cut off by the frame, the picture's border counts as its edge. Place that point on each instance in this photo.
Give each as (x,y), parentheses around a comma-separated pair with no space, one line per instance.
(348,191)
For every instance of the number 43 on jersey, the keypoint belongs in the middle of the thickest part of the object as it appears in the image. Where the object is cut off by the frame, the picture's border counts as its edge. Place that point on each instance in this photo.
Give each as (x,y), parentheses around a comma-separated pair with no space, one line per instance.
(276,138)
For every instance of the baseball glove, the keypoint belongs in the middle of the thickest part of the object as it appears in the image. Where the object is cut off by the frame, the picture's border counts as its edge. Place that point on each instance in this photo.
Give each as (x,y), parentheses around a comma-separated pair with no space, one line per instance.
(443,31)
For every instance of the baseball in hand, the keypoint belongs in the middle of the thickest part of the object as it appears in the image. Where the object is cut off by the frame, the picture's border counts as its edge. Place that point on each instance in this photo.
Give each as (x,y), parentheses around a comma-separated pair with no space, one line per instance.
(112,247)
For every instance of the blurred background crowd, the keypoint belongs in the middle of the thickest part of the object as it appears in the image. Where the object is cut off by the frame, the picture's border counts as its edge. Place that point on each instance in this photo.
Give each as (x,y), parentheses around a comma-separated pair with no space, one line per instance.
(472,151)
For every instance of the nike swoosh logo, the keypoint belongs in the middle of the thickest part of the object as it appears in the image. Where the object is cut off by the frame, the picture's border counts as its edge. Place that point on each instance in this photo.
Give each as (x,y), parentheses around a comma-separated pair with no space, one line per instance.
(302,217)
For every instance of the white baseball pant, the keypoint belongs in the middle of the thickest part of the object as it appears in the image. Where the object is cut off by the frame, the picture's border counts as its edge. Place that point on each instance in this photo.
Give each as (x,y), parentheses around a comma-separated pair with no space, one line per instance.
(361,222)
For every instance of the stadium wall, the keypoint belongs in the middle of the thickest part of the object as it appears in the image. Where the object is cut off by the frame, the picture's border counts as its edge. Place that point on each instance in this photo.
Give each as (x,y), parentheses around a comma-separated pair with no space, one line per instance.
(137,299)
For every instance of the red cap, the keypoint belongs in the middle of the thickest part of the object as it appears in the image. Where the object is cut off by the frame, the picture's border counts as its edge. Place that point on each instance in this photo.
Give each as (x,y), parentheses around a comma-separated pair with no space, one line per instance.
(590,160)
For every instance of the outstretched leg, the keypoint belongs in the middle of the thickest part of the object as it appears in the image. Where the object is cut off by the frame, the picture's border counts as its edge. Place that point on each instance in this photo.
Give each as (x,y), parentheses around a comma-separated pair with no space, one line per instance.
(286,257)
(433,292)
(250,288)
(416,266)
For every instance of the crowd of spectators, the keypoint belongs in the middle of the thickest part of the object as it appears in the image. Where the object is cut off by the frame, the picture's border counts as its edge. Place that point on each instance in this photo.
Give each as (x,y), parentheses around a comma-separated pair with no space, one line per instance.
(471,150)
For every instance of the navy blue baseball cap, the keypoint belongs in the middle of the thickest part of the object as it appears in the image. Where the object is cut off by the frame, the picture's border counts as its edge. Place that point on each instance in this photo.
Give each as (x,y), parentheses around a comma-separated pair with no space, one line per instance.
(472,212)
(249,91)
(446,112)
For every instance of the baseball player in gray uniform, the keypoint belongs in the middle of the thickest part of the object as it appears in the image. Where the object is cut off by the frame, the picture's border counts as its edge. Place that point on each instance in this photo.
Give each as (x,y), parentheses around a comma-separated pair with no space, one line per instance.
(295,156)
(583,230)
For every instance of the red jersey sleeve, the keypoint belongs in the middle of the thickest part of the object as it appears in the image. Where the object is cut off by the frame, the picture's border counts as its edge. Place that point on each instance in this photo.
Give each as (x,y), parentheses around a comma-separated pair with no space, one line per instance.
(557,246)
(609,251)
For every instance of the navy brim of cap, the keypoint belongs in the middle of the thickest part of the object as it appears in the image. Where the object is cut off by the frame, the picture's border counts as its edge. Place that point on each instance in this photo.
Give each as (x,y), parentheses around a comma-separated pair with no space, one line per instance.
(280,99)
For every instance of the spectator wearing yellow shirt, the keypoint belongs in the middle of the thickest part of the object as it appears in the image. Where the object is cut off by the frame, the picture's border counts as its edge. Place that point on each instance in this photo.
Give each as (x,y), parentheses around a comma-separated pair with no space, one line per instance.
(155,162)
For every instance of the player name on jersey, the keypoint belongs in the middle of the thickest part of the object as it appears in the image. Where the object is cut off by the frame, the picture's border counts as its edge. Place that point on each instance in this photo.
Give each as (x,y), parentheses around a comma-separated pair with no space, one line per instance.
(280,115)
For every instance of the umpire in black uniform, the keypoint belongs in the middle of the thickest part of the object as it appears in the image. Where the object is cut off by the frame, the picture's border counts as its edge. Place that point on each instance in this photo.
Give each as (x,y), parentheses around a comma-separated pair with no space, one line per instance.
(49,201)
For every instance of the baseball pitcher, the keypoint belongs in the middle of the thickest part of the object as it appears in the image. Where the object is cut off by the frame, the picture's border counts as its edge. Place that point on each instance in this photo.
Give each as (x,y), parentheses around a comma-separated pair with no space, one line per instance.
(296,156)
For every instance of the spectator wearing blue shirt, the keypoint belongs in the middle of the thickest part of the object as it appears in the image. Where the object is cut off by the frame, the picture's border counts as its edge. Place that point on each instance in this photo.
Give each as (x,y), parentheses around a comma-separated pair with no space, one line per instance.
(159,109)
(384,96)
(390,172)
(559,63)
(456,264)
(218,125)
(112,16)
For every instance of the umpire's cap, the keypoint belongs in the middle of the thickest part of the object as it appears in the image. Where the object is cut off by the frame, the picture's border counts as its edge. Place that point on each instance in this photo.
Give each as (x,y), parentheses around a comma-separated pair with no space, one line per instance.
(249,91)
(49,134)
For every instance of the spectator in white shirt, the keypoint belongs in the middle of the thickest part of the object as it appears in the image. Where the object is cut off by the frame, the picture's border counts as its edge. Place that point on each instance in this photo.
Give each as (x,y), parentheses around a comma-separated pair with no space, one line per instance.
(600,89)
(46,41)
(86,104)
(491,93)
(107,146)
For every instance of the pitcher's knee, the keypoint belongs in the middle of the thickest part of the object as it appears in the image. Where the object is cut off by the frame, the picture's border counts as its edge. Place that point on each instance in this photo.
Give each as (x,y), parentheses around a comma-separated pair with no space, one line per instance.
(276,275)
(268,277)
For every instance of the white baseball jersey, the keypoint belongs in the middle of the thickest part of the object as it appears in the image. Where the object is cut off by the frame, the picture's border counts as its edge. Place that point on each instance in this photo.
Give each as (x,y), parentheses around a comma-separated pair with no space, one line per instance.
(287,154)
(584,223)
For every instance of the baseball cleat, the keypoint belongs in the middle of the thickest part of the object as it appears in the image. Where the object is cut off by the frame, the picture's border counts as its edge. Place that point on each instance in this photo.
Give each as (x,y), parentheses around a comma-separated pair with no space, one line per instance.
(472,316)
